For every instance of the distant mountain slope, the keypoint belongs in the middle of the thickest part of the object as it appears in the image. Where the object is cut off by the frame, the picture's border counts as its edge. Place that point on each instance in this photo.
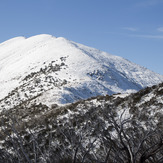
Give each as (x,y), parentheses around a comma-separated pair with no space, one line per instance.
(55,70)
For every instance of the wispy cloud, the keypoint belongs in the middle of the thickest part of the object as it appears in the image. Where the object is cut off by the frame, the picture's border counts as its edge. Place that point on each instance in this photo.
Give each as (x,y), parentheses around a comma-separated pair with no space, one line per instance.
(149,36)
(160,29)
(130,29)
(146,3)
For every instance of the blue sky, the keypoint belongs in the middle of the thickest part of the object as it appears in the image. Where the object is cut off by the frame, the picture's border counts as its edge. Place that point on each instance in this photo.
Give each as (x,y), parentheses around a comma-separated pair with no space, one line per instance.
(132,29)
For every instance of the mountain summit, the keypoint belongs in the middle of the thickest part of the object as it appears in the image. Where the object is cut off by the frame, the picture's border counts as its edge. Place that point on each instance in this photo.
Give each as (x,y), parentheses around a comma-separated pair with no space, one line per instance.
(55,70)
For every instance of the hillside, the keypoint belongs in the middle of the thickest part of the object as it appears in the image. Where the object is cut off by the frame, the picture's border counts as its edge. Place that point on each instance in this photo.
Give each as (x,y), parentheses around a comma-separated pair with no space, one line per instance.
(115,128)
(55,70)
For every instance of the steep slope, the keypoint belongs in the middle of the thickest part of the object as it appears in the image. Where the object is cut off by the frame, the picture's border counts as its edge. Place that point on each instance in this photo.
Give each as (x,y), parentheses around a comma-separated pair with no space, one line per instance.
(55,70)
(113,128)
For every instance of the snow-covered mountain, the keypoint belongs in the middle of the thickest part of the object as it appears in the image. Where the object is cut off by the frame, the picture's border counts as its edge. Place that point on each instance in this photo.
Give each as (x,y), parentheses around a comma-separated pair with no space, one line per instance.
(55,70)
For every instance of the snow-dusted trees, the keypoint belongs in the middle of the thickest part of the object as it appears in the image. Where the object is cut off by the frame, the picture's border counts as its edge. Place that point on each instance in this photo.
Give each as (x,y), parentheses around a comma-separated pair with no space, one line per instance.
(89,138)
(130,142)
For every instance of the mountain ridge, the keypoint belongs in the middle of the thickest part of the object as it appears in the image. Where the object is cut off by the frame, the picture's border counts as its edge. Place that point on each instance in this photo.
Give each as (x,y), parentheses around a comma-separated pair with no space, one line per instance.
(65,70)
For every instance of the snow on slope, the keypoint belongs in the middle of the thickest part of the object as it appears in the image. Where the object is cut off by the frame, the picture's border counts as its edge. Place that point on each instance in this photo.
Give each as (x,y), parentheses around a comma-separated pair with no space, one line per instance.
(67,71)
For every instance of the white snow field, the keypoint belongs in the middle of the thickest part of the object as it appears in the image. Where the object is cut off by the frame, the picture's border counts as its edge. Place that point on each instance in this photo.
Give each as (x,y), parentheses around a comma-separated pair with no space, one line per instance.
(87,71)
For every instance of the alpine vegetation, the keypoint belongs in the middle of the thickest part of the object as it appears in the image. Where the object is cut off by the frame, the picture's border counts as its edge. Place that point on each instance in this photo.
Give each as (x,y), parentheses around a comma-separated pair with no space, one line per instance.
(102,129)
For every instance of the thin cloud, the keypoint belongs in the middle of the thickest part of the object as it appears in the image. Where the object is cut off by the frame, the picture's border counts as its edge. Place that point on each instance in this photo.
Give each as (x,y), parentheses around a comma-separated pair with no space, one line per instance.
(147,3)
(160,29)
(149,36)
(130,29)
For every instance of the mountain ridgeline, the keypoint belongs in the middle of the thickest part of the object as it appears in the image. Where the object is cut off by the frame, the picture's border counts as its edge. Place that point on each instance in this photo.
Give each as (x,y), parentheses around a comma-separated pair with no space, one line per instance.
(56,70)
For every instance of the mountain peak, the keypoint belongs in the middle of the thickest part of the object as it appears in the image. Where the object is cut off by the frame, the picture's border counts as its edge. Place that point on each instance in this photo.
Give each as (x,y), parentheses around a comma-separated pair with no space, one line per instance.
(56,70)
